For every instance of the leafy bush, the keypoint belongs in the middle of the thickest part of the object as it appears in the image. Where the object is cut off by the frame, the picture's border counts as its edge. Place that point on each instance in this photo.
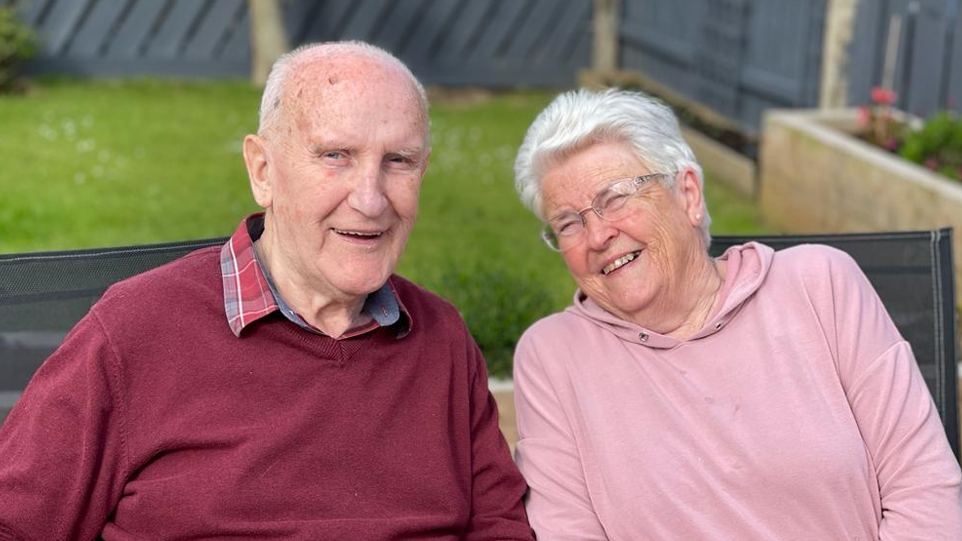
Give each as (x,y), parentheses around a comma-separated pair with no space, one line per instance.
(497,303)
(937,146)
(17,44)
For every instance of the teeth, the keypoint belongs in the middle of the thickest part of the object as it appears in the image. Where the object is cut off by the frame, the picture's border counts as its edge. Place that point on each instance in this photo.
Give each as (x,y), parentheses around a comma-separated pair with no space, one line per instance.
(357,233)
(620,262)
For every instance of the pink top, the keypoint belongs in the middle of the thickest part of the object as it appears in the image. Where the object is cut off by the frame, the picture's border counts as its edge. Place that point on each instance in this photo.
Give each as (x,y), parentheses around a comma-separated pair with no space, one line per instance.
(797,413)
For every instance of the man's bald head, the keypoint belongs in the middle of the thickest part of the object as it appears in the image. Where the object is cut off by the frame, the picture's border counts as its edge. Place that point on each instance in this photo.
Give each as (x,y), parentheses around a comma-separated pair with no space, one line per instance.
(333,57)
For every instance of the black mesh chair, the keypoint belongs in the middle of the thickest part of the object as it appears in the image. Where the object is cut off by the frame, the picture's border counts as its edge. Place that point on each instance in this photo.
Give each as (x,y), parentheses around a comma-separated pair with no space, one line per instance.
(42,295)
(912,273)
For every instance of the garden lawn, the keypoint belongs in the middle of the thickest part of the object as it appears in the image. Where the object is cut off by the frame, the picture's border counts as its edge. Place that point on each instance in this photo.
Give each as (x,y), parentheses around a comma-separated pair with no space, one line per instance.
(107,163)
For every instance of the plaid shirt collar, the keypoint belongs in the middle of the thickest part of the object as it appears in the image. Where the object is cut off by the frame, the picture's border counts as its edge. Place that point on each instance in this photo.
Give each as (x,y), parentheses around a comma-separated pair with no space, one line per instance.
(250,295)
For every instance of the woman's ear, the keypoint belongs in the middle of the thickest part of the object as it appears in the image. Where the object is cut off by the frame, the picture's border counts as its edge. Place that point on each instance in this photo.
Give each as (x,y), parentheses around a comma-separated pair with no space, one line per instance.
(259,169)
(690,188)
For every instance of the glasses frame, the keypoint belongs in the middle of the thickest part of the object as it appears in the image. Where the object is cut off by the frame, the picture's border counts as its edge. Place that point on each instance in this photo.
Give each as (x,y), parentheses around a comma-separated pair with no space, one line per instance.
(553,240)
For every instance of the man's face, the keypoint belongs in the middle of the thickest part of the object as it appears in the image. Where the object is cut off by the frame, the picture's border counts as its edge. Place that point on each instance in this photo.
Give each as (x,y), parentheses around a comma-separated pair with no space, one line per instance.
(342,172)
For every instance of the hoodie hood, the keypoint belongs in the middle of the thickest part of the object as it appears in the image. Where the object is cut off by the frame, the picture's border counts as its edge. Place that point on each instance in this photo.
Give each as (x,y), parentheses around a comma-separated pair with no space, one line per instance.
(748,265)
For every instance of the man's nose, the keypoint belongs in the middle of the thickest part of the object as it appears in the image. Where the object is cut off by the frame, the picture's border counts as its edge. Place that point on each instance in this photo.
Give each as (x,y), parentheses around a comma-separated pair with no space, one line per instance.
(368,195)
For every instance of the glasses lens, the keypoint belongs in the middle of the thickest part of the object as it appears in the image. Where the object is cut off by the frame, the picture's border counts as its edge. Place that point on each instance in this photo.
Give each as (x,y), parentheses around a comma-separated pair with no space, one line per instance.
(549,237)
(610,202)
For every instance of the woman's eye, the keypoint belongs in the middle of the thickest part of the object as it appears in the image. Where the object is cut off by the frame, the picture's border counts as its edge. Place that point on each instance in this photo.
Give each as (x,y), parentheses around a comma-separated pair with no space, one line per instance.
(567,227)
(613,200)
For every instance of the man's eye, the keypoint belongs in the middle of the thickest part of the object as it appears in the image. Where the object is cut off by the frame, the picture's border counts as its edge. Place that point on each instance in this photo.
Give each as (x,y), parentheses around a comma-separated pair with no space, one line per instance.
(399,161)
(334,154)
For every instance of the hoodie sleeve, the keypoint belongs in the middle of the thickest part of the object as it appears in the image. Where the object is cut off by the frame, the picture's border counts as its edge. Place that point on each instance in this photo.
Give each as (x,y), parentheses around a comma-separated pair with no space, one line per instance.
(558,504)
(920,484)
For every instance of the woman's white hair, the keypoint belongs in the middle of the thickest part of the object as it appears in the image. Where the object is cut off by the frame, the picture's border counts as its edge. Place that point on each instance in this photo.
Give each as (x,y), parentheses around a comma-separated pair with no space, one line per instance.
(578,119)
(271,101)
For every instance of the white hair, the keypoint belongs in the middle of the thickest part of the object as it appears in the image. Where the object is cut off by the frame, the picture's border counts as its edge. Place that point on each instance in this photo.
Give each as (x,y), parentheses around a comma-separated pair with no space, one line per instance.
(578,119)
(271,101)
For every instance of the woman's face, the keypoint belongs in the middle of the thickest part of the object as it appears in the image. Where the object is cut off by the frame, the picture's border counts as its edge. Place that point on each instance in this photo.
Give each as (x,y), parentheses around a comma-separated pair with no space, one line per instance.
(659,234)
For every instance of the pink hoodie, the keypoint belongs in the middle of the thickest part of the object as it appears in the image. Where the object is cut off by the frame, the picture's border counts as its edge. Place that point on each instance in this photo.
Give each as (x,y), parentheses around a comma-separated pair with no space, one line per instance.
(797,413)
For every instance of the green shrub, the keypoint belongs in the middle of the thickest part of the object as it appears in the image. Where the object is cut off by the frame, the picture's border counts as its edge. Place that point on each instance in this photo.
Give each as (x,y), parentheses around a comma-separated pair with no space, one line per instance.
(17,44)
(497,303)
(937,146)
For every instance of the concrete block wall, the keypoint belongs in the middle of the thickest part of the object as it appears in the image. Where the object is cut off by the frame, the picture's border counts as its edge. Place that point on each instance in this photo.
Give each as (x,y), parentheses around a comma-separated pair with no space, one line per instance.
(816,178)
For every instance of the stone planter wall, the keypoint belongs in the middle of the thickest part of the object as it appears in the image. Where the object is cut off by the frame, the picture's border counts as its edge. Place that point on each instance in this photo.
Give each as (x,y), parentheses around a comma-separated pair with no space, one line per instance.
(723,164)
(817,178)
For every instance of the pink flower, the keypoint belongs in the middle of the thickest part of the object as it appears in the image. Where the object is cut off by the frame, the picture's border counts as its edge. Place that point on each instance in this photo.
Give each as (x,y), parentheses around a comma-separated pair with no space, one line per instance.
(931,163)
(864,116)
(883,96)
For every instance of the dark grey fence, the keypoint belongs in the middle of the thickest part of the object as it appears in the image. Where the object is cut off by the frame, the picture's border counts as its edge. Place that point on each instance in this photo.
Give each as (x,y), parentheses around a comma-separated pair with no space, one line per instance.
(738,57)
(927,73)
(493,43)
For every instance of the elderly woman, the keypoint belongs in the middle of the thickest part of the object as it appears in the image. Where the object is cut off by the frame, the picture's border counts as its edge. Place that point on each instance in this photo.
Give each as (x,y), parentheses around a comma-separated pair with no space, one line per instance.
(756,396)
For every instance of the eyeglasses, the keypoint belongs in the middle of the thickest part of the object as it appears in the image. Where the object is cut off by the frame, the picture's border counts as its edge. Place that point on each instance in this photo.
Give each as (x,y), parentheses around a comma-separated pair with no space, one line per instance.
(566,230)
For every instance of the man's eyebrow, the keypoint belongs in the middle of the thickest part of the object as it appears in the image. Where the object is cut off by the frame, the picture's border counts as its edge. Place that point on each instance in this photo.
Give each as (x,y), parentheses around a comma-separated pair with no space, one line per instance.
(411,153)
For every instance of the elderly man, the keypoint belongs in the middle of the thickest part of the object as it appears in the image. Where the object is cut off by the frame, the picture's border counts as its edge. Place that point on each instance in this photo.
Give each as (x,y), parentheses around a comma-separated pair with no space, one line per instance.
(287,385)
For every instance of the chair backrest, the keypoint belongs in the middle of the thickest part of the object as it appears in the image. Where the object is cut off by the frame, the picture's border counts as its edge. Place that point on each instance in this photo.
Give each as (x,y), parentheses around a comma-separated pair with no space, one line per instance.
(912,273)
(42,295)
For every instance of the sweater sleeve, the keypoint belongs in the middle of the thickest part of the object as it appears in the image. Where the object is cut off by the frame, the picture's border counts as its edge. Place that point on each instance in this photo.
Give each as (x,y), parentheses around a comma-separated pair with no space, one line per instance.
(919,481)
(558,504)
(62,453)
(497,511)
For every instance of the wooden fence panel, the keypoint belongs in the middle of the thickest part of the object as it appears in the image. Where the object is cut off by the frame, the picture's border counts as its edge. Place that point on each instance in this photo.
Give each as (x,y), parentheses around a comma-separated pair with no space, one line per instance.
(738,57)
(403,16)
(91,37)
(463,31)
(927,74)
(453,42)
(175,29)
(132,34)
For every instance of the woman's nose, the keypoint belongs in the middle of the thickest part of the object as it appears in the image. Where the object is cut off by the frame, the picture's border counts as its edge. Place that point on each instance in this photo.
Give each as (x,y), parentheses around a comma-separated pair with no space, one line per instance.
(599,232)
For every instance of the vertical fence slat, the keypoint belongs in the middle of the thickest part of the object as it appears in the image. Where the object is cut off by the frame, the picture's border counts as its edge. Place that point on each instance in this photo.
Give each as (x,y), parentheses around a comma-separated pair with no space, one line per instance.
(954,90)
(61,23)
(403,18)
(211,31)
(429,29)
(94,33)
(562,41)
(464,27)
(30,12)
(238,47)
(135,30)
(327,24)
(497,30)
(364,24)
(531,30)
(172,33)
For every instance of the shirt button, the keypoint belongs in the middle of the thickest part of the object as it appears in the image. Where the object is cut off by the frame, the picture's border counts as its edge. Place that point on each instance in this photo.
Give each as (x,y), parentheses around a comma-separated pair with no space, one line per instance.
(643,336)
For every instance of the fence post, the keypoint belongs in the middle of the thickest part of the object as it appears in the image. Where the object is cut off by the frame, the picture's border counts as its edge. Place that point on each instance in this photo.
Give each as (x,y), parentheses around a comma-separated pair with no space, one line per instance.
(606,22)
(268,37)
(839,28)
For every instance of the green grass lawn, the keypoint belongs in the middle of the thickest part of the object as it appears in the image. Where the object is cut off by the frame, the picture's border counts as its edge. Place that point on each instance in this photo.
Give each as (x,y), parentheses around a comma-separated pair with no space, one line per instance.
(87,164)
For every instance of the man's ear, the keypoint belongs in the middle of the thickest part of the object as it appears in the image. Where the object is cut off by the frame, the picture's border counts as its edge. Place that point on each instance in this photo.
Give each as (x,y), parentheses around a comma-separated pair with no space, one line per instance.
(259,169)
(690,187)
